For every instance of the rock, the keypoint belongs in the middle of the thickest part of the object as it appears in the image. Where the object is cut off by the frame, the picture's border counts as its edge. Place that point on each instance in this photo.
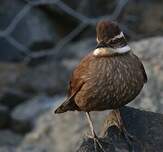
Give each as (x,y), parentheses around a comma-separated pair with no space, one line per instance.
(145,127)
(150,51)
(7,149)
(13,98)
(9,138)
(4,116)
(50,77)
(9,73)
(52,132)
(9,141)
(25,115)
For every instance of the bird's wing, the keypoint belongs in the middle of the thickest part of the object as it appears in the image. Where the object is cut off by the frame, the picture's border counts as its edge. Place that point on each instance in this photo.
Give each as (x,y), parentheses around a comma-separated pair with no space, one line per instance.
(76,82)
(143,70)
(144,73)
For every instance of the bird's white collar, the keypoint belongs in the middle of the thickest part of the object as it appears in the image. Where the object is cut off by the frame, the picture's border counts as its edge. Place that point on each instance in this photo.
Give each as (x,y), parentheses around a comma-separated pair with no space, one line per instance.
(104,51)
(123,49)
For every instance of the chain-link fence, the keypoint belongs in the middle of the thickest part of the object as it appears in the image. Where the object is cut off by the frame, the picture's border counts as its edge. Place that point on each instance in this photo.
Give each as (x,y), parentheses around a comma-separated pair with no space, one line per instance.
(83,21)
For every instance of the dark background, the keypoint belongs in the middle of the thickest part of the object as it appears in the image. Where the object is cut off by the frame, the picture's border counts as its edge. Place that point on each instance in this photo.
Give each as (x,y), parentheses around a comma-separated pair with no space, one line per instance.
(41,41)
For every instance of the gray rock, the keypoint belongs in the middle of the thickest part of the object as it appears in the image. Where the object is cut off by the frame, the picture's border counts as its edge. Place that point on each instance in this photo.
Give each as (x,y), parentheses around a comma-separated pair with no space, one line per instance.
(13,98)
(53,132)
(9,73)
(9,138)
(9,141)
(24,116)
(145,127)
(50,77)
(60,133)
(150,51)
(7,149)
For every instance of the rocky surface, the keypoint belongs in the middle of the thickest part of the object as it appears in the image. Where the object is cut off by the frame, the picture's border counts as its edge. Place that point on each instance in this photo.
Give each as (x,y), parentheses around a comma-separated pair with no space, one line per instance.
(151,53)
(9,74)
(53,132)
(50,77)
(9,138)
(58,132)
(145,127)
(9,141)
(24,116)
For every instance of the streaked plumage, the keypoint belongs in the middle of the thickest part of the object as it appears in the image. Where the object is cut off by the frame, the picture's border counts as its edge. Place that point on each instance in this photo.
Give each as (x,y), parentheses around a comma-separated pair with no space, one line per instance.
(105,82)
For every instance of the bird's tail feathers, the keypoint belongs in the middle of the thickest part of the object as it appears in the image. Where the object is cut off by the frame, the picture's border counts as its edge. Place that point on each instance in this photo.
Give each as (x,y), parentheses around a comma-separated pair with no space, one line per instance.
(67,105)
(63,107)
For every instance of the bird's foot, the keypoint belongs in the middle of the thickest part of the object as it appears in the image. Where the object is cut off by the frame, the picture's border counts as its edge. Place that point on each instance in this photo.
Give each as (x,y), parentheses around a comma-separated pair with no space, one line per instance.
(97,143)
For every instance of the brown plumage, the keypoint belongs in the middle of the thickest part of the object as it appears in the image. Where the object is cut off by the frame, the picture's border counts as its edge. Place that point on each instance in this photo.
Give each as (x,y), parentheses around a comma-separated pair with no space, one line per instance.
(107,78)
(106,82)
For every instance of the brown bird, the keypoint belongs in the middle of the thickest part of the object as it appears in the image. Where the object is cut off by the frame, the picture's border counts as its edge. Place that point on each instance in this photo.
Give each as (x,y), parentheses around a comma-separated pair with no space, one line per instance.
(107,78)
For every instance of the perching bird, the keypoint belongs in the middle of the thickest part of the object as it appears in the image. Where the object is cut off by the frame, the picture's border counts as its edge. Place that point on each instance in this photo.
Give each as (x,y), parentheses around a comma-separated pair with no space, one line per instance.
(107,78)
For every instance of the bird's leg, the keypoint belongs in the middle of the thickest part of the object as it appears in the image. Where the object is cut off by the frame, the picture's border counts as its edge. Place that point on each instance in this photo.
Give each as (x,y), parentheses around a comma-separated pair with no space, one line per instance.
(94,136)
(121,126)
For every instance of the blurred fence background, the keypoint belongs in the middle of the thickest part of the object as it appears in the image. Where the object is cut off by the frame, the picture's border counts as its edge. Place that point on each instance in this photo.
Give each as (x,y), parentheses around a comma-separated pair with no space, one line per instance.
(32,29)
(41,41)
(28,26)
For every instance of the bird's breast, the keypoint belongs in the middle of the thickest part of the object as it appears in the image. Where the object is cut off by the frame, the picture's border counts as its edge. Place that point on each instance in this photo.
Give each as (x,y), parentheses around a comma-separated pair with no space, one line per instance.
(112,81)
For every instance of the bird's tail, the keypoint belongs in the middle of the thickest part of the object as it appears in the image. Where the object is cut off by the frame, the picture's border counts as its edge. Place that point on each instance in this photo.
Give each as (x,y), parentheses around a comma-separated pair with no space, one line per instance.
(68,105)
(62,108)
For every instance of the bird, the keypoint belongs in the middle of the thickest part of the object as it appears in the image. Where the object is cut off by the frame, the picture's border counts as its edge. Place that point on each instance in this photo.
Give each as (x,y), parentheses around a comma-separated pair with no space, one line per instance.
(107,78)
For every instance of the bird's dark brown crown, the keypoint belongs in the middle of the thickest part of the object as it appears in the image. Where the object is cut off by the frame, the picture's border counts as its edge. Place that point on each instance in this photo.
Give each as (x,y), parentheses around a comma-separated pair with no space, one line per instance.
(108,35)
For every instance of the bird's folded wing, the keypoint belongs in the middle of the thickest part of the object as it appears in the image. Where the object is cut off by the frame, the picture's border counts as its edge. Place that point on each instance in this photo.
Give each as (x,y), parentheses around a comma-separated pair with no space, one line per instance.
(77,80)
(142,68)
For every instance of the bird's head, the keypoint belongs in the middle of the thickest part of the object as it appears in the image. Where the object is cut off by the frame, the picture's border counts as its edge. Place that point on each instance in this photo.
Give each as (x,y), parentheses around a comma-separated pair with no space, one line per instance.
(109,35)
